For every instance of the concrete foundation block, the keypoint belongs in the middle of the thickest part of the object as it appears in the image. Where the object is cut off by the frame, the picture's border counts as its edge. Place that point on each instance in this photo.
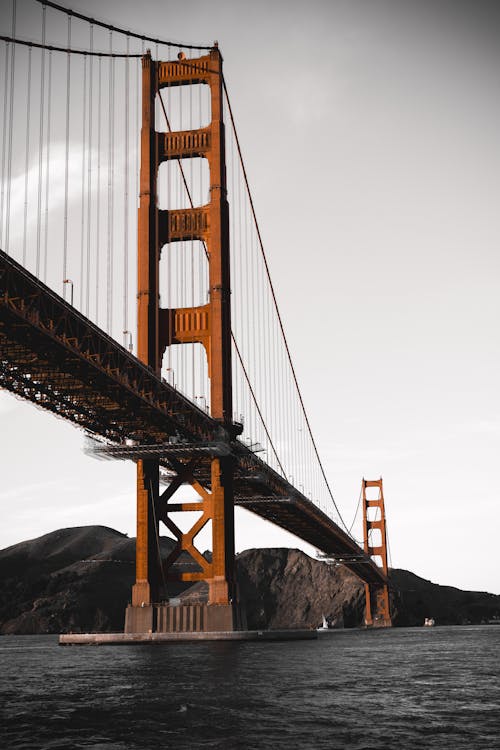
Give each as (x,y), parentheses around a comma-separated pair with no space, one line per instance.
(140,619)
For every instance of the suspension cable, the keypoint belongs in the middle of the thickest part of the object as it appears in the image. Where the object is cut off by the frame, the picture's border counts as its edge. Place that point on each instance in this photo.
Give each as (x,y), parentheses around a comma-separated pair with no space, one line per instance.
(110,27)
(389,555)
(280,321)
(4,144)
(110,217)
(66,162)
(89,178)
(98,202)
(245,373)
(72,51)
(27,157)
(179,162)
(82,202)
(11,123)
(125,202)
(256,403)
(40,150)
(47,172)
(357,510)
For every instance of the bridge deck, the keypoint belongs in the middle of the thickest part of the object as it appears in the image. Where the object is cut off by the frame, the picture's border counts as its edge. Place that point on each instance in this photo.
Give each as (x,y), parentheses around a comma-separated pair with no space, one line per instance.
(53,356)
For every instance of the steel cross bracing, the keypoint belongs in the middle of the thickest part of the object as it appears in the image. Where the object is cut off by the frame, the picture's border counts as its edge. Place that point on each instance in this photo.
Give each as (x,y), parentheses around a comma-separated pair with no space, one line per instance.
(53,356)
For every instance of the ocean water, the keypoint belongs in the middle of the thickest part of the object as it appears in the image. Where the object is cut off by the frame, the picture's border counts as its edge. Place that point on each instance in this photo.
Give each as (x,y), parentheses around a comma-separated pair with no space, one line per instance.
(361,690)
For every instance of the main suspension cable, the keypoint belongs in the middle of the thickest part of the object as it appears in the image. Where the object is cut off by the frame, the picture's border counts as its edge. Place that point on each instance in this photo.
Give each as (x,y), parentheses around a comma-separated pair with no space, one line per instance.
(53,48)
(357,511)
(126,32)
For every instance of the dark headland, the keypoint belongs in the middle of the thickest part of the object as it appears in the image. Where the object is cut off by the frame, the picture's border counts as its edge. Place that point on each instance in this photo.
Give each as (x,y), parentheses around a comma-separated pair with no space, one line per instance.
(79,580)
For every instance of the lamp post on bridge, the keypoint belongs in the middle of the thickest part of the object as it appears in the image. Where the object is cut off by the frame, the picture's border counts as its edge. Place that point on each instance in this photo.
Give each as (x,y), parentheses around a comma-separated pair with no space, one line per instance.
(204,398)
(171,369)
(129,347)
(68,281)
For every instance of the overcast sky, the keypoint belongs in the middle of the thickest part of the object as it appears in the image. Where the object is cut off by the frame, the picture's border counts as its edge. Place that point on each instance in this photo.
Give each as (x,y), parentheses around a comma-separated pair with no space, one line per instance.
(370,134)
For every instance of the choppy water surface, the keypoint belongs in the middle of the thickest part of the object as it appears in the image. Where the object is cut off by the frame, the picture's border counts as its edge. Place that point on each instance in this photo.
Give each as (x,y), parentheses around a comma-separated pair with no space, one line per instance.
(405,689)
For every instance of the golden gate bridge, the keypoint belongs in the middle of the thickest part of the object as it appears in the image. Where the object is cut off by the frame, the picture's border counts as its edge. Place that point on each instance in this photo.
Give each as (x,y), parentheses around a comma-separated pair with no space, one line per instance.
(108,136)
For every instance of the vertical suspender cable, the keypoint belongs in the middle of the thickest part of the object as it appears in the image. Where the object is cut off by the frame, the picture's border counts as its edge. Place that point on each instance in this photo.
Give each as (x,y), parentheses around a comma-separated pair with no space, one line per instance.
(82,202)
(125,202)
(27,156)
(66,161)
(191,166)
(137,130)
(183,257)
(235,316)
(98,202)
(4,144)
(109,301)
(11,126)
(89,178)
(202,261)
(40,147)
(47,172)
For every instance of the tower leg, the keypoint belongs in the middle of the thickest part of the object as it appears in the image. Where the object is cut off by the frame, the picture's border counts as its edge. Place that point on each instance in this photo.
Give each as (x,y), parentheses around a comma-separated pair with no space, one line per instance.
(368,607)
(377,612)
(145,591)
(221,583)
(220,610)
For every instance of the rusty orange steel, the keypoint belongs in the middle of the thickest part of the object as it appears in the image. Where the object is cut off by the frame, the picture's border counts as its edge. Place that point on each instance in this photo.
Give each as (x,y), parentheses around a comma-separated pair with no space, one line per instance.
(377,612)
(208,324)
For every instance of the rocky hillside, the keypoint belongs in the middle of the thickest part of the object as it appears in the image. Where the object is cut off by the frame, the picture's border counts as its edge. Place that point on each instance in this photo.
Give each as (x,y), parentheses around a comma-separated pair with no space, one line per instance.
(284,588)
(80,580)
(418,599)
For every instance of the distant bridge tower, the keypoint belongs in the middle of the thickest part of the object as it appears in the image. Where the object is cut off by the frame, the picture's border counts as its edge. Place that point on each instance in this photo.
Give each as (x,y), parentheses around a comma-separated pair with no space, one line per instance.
(208,324)
(377,612)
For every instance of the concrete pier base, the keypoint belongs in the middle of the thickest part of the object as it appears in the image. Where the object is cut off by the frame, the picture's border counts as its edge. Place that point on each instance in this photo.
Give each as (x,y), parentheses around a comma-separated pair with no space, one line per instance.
(183,618)
(139,619)
(127,639)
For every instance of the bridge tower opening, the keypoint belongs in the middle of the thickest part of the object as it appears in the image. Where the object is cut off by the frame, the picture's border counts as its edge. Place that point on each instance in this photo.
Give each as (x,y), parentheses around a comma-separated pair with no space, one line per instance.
(158,328)
(377,608)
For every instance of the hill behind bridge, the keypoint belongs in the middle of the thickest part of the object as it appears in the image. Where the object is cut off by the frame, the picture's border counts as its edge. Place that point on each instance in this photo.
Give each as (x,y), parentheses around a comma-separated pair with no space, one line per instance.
(79,580)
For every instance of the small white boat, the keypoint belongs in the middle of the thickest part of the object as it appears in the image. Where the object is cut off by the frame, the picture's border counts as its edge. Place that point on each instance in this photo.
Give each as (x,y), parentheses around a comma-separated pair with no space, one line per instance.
(429,622)
(324,625)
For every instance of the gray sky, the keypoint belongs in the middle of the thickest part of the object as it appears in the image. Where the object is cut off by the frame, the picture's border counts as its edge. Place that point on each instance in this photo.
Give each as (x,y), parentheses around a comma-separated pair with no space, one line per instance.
(370,135)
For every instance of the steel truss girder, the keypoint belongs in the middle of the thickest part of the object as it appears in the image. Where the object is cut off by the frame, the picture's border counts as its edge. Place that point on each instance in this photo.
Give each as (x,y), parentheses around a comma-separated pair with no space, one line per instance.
(185,541)
(44,336)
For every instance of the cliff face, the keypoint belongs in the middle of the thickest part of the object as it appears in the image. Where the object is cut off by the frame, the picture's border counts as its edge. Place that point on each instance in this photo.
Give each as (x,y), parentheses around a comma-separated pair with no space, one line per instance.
(80,580)
(284,588)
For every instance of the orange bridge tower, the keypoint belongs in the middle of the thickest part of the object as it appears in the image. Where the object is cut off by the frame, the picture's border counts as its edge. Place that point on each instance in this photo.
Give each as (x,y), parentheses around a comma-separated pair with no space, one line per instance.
(208,324)
(377,612)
